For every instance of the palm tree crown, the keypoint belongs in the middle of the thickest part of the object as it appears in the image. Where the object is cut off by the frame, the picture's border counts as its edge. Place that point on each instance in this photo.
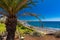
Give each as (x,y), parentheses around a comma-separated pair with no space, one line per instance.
(13,6)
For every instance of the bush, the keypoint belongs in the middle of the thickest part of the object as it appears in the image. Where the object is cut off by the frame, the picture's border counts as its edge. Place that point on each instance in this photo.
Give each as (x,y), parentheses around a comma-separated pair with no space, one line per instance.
(36,34)
(57,34)
(24,30)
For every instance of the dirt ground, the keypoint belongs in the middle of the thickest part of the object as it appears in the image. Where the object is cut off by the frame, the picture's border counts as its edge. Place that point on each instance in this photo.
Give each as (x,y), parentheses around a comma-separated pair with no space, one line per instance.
(47,37)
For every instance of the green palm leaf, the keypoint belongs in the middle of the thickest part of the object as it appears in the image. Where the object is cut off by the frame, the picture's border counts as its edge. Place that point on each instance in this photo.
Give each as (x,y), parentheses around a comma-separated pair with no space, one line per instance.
(13,6)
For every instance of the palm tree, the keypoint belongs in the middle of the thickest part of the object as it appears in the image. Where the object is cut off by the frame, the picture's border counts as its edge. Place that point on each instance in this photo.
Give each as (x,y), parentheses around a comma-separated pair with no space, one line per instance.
(34,15)
(11,7)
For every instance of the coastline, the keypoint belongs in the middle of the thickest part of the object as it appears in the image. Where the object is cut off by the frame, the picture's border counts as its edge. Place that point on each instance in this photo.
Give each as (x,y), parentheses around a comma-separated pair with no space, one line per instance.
(40,29)
(46,30)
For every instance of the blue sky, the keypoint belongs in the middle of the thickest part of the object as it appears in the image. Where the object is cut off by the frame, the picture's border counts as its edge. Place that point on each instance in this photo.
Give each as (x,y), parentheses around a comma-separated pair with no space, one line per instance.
(50,9)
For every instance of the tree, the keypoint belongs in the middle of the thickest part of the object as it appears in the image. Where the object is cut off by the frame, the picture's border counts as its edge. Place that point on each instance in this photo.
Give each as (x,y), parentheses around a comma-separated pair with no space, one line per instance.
(11,7)
(34,15)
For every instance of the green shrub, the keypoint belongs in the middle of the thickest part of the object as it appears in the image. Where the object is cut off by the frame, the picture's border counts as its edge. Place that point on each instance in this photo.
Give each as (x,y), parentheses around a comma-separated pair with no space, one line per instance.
(21,29)
(2,28)
(36,34)
(24,30)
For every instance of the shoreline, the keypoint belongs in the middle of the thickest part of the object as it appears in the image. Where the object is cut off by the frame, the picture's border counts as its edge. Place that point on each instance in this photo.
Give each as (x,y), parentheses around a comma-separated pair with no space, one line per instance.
(40,29)
(46,30)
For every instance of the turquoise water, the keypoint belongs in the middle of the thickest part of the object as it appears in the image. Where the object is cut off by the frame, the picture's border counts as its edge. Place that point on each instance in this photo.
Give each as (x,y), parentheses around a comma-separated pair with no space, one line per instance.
(46,24)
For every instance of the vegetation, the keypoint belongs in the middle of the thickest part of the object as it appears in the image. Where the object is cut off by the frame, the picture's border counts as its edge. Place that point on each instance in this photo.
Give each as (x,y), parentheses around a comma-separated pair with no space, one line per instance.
(11,8)
(21,30)
(2,28)
(57,34)
(36,34)
(24,30)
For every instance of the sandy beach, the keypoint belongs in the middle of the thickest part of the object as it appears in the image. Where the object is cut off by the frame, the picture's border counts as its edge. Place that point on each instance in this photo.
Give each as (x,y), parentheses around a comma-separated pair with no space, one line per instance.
(46,30)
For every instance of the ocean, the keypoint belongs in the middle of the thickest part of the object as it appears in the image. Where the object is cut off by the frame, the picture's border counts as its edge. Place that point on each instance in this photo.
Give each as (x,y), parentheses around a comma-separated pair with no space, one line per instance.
(45,24)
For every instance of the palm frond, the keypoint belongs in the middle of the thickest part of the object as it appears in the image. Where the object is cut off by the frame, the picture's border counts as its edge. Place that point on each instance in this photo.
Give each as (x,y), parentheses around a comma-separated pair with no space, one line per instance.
(25,4)
(4,7)
(21,3)
(13,6)
(4,1)
(2,13)
(34,15)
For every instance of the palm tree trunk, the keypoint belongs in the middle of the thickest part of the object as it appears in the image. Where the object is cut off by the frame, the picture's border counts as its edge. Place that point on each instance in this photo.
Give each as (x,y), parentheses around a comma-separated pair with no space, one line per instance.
(11,23)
